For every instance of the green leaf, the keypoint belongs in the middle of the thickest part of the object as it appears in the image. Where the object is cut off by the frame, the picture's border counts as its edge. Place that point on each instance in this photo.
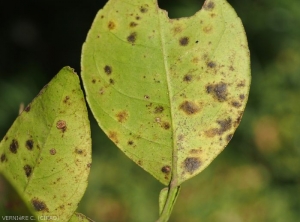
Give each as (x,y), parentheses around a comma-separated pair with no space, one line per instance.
(78,217)
(46,154)
(169,92)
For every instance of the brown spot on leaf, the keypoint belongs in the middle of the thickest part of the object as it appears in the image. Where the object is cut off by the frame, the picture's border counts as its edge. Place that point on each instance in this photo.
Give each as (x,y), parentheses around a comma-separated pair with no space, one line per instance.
(113,136)
(211,64)
(209,6)
(111,25)
(189,107)
(184,41)
(207,29)
(242,96)
(159,109)
(224,124)
(133,24)
(122,116)
(229,137)
(29,144)
(219,91)
(111,81)
(177,29)
(61,125)
(66,99)
(188,78)
(241,84)
(165,125)
(107,69)
(166,169)
(79,151)
(146,97)
(94,81)
(236,104)
(132,37)
(191,164)
(52,151)
(238,120)
(89,165)
(3,158)
(130,142)
(195,151)
(144,9)
(13,147)
(140,162)
(27,170)
(211,132)
(39,205)
(137,17)
(27,109)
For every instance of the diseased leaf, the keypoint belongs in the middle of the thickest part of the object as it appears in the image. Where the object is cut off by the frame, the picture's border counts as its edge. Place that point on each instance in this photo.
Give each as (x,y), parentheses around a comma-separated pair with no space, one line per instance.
(168,92)
(46,154)
(78,217)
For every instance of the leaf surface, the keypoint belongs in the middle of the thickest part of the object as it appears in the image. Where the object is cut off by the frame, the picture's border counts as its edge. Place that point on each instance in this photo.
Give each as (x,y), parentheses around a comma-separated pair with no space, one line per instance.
(46,154)
(169,92)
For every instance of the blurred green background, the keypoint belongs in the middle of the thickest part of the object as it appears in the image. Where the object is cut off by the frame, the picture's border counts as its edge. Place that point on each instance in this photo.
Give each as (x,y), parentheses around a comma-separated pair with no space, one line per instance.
(256,178)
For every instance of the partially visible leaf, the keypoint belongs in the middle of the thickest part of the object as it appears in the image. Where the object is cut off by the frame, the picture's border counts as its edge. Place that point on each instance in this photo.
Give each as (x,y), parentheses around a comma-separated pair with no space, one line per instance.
(169,92)
(46,154)
(78,217)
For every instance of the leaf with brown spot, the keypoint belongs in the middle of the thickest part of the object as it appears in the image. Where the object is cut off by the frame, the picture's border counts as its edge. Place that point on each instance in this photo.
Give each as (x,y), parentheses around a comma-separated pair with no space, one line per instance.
(36,154)
(181,69)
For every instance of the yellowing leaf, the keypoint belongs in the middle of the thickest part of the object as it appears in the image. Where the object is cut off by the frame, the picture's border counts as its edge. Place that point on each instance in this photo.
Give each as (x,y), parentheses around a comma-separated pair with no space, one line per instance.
(169,92)
(46,154)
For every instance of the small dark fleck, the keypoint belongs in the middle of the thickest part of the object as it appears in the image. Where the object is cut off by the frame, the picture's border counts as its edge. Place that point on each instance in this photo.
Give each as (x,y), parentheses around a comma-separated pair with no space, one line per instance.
(94,81)
(133,24)
(236,104)
(29,144)
(27,109)
(28,170)
(229,137)
(187,78)
(140,162)
(130,142)
(14,146)
(89,165)
(132,37)
(111,25)
(191,164)
(166,125)
(111,81)
(138,18)
(143,9)
(242,96)
(184,41)
(197,41)
(166,169)
(3,158)
(52,151)
(211,64)
(66,99)
(78,151)
(224,125)
(159,109)
(189,107)
(209,5)
(107,69)
(39,205)
(147,97)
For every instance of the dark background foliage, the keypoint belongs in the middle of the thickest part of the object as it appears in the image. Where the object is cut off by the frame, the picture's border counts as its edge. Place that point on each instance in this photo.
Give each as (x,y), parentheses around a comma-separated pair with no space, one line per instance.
(256,178)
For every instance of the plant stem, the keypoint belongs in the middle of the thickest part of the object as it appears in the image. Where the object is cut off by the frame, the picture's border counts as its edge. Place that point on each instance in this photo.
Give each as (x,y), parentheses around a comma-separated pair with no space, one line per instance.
(169,204)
